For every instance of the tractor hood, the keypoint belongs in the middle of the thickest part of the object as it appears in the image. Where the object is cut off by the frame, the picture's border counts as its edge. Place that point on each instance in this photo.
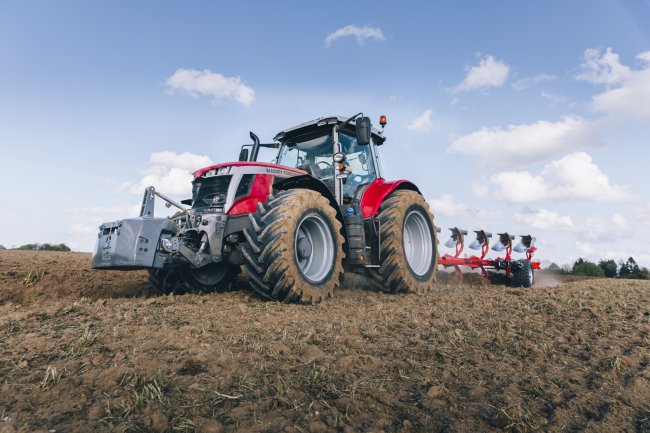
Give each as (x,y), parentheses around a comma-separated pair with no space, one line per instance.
(255,167)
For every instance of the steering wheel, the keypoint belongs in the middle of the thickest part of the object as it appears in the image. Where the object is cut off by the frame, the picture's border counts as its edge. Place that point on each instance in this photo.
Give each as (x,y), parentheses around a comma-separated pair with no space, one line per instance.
(328,166)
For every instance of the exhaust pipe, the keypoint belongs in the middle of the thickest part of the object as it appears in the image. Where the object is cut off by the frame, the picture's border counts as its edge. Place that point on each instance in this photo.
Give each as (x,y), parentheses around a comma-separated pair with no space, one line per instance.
(256,146)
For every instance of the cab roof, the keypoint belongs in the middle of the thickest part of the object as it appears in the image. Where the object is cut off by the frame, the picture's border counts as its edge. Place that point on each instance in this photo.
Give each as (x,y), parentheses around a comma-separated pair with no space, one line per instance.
(320,122)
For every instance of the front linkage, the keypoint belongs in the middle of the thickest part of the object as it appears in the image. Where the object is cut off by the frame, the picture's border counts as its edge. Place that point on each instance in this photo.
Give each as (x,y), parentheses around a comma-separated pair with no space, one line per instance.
(189,242)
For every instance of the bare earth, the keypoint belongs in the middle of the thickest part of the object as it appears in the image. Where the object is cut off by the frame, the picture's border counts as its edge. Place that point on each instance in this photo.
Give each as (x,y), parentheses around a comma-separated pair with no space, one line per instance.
(84,350)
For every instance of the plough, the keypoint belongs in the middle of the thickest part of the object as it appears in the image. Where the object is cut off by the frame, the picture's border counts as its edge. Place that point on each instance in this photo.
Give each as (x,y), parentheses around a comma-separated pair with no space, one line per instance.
(520,271)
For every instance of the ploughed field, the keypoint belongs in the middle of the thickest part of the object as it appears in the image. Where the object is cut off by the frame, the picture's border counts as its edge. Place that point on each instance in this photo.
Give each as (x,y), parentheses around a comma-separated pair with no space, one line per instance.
(84,350)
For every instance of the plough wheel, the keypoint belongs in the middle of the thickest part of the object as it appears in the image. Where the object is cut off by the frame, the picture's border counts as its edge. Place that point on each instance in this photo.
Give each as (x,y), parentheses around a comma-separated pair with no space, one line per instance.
(295,248)
(408,244)
(523,274)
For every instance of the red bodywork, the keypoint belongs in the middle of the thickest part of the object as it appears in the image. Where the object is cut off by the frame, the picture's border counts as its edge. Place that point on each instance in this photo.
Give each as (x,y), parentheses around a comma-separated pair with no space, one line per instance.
(378,190)
(261,188)
(259,192)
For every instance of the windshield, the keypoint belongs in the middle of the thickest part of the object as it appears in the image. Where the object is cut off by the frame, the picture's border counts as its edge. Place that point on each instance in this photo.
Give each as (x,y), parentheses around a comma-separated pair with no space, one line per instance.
(312,154)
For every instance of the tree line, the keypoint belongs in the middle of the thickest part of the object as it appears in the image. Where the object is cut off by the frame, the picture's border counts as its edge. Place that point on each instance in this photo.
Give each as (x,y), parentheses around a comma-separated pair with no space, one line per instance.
(604,268)
(41,247)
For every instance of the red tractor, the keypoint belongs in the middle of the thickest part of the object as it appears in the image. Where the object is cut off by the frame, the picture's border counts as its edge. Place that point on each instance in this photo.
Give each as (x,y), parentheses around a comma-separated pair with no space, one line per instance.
(295,225)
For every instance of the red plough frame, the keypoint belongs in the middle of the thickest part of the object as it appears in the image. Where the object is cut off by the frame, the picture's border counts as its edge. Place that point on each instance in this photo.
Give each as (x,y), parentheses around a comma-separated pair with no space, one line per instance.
(482,242)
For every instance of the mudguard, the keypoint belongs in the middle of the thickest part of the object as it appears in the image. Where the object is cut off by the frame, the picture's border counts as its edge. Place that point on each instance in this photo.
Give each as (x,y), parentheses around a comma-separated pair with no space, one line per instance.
(131,243)
(377,191)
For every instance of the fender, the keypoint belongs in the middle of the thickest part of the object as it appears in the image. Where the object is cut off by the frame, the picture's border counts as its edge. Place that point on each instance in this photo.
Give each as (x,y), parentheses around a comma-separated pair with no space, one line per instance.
(378,190)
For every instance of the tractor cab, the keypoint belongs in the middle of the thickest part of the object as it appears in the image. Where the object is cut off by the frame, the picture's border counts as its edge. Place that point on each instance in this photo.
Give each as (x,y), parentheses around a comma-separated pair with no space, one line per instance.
(339,152)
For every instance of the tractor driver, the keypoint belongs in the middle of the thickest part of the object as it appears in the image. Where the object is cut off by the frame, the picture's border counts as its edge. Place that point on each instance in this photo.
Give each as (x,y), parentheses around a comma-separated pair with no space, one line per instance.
(359,166)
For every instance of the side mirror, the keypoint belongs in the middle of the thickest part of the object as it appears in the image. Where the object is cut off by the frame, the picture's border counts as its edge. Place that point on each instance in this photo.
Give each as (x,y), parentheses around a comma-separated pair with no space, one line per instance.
(363,130)
(243,155)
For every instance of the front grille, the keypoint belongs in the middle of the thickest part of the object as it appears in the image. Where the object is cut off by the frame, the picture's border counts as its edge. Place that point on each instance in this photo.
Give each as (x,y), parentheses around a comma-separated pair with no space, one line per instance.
(210,192)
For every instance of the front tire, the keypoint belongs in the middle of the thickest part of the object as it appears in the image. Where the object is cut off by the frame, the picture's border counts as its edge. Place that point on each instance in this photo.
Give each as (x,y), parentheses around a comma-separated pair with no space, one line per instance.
(294,251)
(166,280)
(409,247)
(215,277)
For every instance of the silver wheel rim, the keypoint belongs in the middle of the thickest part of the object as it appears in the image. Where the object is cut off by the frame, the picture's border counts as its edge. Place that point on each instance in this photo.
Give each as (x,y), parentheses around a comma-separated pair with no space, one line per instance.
(531,276)
(418,244)
(314,248)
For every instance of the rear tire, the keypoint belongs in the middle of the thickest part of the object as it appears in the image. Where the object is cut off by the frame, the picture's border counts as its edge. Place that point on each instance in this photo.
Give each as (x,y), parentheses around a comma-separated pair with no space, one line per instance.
(523,274)
(294,251)
(409,246)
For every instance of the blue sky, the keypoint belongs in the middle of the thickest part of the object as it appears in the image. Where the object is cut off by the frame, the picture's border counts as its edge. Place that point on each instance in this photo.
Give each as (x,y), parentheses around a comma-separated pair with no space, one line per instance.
(511,116)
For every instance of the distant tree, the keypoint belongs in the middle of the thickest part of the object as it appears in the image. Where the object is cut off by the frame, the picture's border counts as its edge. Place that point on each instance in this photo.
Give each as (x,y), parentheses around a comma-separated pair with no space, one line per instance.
(609,267)
(644,274)
(587,268)
(627,268)
(2,247)
(28,247)
(45,247)
(555,269)
(631,269)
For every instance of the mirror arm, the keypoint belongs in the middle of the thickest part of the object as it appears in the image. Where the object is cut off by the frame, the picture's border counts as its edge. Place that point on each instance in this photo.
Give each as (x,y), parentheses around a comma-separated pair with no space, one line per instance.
(344,124)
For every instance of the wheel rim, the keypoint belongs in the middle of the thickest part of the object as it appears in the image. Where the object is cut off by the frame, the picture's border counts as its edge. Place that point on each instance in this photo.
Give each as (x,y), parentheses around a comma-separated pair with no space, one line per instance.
(418,244)
(211,274)
(531,276)
(314,248)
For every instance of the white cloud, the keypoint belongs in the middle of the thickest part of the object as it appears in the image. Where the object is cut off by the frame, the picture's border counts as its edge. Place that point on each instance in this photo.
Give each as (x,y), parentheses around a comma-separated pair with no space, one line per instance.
(82,229)
(447,206)
(643,215)
(553,99)
(490,72)
(109,211)
(644,56)
(605,69)
(620,222)
(422,123)
(577,177)
(526,82)
(573,177)
(207,83)
(520,144)
(520,186)
(595,230)
(584,249)
(170,173)
(361,34)
(628,90)
(542,219)
(631,100)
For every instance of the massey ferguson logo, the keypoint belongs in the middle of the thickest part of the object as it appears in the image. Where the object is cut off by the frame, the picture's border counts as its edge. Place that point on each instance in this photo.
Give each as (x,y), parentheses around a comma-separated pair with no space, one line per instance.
(280,172)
